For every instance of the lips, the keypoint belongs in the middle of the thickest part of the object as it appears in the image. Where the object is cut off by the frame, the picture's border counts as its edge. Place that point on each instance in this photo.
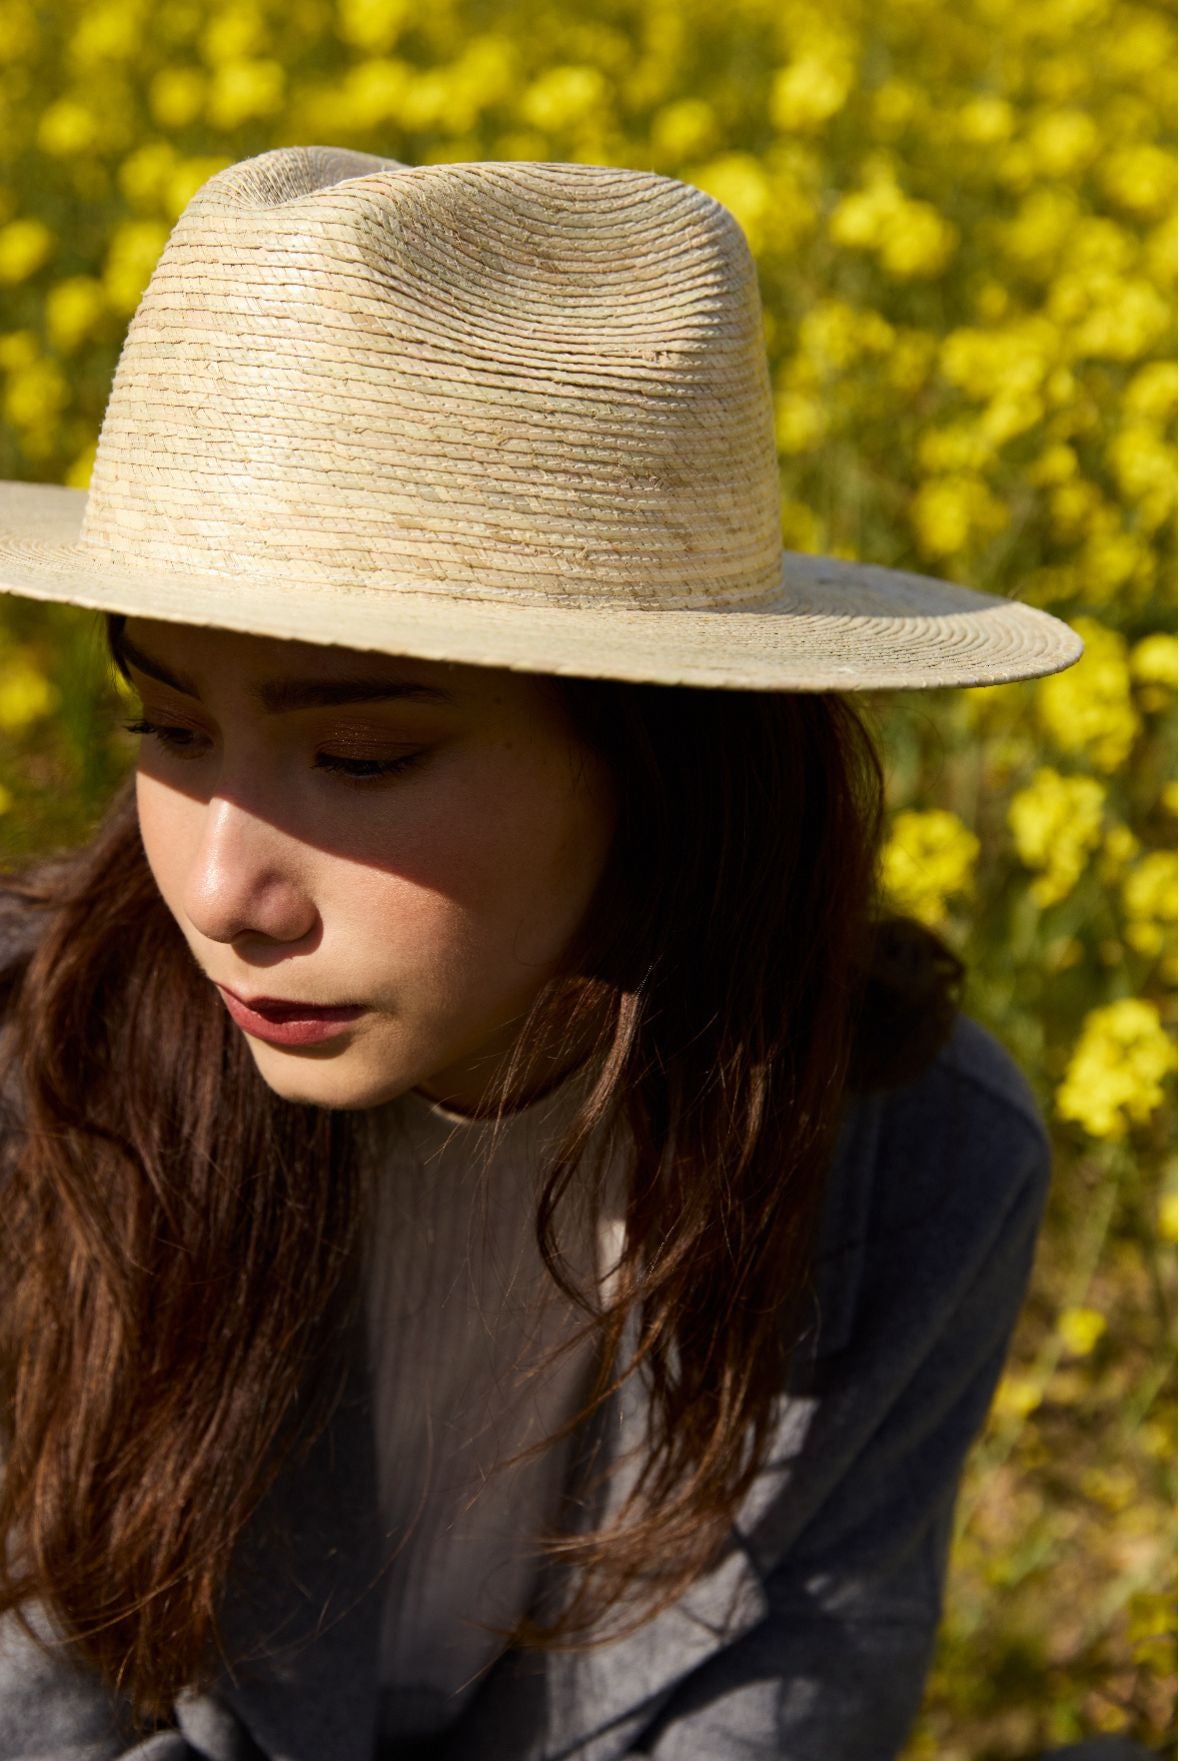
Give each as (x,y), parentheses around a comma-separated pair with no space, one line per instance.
(277,1009)
(281,1022)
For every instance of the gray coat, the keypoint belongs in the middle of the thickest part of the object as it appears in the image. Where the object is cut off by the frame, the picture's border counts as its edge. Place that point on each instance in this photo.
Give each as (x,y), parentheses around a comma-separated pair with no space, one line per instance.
(812,1637)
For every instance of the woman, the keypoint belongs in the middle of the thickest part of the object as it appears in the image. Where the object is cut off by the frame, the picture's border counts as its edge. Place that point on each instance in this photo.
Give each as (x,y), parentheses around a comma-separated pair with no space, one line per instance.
(507,1246)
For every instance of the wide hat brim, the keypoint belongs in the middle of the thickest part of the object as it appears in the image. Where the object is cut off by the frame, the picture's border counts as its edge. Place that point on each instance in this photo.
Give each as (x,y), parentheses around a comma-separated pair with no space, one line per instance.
(832,625)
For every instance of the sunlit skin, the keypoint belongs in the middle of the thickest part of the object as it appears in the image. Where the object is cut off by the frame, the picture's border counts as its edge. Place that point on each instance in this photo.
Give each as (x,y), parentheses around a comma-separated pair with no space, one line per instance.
(439,898)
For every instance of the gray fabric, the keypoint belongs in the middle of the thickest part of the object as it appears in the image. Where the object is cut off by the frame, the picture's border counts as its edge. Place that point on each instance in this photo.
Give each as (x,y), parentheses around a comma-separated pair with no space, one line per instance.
(812,1637)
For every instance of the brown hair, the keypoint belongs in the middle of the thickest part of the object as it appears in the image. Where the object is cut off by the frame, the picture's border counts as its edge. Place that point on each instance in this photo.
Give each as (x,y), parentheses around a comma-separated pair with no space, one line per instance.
(739,978)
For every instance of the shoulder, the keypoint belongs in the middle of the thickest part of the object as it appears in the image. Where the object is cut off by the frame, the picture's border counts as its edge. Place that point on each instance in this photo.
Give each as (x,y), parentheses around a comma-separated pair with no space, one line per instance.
(930,1180)
(971,1110)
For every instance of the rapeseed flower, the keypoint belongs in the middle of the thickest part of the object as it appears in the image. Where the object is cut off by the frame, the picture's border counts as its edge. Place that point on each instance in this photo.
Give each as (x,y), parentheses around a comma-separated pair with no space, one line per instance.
(814,87)
(740,182)
(1150,895)
(1115,1076)
(25,245)
(684,128)
(928,859)
(951,513)
(176,96)
(240,91)
(131,256)
(73,310)
(1090,709)
(1056,822)
(26,695)
(372,25)
(67,128)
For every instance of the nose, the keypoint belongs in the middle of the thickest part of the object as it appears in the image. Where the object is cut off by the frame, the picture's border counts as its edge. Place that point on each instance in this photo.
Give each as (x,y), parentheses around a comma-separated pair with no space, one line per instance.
(246,879)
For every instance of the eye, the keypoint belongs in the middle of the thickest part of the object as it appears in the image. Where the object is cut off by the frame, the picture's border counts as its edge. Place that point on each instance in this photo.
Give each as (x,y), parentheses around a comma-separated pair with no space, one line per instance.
(186,743)
(364,769)
(178,740)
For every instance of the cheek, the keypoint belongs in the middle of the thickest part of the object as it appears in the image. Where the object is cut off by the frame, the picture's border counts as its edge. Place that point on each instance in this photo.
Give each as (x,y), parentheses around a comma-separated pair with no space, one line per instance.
(166,826)
(494,878)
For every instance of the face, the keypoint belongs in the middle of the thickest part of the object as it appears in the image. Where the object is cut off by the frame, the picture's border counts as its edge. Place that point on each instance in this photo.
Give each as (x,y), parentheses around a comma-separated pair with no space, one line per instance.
(411,845)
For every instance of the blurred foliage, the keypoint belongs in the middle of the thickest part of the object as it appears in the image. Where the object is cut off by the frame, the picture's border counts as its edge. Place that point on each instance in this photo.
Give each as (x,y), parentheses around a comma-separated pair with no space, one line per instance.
(964,224)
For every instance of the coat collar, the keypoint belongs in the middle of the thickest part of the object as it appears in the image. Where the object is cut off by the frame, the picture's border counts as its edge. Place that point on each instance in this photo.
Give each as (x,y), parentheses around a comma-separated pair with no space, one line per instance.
(315,1695)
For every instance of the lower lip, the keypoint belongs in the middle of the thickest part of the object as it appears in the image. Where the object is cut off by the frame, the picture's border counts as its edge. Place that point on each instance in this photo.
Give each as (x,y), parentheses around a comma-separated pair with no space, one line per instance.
(293,1030)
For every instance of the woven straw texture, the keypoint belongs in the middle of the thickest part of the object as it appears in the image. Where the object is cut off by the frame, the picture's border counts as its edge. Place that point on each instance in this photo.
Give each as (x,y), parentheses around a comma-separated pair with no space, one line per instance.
(506,413)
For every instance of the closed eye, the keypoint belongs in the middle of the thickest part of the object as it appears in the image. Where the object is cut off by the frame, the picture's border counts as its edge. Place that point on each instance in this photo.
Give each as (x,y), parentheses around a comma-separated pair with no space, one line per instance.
(184,742)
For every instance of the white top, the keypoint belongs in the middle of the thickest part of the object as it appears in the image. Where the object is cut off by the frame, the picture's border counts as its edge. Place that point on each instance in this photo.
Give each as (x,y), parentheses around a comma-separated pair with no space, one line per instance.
(459,1301)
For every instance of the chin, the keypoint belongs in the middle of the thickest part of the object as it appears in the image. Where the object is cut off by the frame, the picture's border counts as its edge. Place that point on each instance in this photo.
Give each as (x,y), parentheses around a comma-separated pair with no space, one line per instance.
(310,1081)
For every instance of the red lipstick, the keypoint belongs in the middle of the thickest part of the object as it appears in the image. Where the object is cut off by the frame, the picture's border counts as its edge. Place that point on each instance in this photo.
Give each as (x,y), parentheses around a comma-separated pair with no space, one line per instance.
(283,1023)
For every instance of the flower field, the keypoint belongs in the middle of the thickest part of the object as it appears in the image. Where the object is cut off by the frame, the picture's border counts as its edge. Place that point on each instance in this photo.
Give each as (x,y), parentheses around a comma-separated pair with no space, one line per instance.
(964,224)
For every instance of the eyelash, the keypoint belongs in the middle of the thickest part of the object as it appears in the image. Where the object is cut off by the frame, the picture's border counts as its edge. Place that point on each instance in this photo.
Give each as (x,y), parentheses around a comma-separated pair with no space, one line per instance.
(177,741)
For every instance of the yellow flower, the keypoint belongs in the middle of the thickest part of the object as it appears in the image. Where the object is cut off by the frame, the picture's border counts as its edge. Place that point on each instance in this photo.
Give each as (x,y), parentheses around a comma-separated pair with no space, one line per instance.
(1056,464)
(1056,823)
(131,256)
(738,181)
(911,238)
(834,333)
(107,33)
(67,128)
(1072,505)
(25,693)
(1125,317)
(185,179)
(949,513)
(242,90)
(18,348)
(684,128)
(5,799)
(812,88)
(1115,1076)
(177,96)
(1143,466)
(1153,393)
(1089,709)
(1140,178)
(368,96)
(910,360)
(563,96)
(894,104)
(1155,660)
(1064,142)
(372,25)
(1013,360)
(72,309)
(985,120)
(1016,1396)
(24,246)
(1150,893)
(928,859)
(1168,1218)
(34,395)
(1119,847)
(800,421)
(1080,1329)
(144,173)
(233,35)
(959,446)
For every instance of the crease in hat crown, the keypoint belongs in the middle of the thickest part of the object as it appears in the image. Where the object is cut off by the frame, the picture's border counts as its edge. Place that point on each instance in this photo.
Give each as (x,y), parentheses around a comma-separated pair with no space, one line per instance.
(490,379)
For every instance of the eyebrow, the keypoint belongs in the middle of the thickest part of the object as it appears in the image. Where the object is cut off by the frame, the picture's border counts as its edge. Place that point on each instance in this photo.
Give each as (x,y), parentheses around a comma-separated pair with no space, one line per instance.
(277,696)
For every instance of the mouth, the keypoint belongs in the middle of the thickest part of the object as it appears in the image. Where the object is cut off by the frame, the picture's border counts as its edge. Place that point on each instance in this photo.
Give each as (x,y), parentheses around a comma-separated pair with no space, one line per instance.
(280,1021)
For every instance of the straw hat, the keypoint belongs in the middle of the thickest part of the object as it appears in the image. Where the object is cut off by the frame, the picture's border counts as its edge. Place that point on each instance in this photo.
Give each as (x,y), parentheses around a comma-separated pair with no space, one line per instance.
(507,413)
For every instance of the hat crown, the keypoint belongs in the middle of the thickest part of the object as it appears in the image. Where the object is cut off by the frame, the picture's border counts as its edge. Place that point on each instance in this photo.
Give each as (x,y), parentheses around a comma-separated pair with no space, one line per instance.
(486,379)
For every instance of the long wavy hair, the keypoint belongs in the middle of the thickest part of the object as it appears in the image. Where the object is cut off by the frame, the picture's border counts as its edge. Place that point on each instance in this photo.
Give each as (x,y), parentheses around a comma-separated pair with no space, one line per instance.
(178,1265)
